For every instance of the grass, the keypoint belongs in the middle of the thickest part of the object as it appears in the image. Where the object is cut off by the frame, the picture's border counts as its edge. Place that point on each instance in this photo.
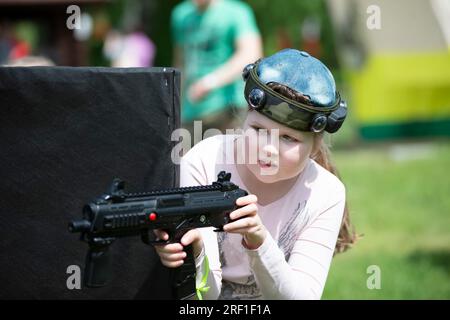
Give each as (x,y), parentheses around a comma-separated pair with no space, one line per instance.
(399,198)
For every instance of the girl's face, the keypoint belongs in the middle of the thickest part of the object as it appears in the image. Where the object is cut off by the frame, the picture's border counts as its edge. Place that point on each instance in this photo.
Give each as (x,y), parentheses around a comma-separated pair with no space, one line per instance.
(279,157)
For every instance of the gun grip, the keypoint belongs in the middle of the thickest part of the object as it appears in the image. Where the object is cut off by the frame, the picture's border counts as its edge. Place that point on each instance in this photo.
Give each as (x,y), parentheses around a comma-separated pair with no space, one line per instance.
(183,277)
(98,267)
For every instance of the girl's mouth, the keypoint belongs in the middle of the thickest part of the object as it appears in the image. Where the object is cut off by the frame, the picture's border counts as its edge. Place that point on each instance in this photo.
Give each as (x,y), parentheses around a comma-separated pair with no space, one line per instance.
(265,164)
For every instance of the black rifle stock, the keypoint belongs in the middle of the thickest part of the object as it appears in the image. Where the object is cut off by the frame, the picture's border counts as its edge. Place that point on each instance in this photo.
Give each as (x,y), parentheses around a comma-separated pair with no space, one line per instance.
(117,214)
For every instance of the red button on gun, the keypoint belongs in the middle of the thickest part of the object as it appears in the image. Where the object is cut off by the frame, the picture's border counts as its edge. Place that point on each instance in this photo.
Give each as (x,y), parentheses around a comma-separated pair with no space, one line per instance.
(152,216)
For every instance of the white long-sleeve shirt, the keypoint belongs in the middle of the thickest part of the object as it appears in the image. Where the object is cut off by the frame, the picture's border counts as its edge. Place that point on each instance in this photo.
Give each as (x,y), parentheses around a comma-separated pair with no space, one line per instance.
(303,225)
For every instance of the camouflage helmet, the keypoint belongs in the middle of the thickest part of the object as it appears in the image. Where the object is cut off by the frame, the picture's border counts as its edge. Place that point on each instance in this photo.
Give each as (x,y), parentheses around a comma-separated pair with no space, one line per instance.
(322,109)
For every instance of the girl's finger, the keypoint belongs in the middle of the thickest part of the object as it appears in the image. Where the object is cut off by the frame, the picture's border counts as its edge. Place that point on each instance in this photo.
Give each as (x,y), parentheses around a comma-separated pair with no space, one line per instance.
(172,264)
(173,257)
(169,248)
(249,209)
(242,201)
(190,237)
(161,234)
(243,230)
(244,223)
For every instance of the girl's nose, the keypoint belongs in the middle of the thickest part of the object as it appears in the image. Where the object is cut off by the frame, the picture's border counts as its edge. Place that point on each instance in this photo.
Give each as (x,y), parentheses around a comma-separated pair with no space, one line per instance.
(270,150)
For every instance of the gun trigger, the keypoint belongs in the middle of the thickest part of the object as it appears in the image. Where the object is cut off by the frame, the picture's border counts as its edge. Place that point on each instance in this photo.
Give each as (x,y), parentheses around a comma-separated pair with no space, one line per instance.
(146,239)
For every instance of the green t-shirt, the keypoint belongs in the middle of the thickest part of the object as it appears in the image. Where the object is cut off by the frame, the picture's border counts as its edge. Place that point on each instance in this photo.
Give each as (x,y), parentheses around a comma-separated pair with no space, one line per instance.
(207,40)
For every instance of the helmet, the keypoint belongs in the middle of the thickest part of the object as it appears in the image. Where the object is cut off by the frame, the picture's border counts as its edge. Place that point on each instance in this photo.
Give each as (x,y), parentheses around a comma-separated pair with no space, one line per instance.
(323,110)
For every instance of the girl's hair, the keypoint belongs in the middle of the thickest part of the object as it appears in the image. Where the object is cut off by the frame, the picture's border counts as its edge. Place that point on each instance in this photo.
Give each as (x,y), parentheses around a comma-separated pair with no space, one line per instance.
(347,235)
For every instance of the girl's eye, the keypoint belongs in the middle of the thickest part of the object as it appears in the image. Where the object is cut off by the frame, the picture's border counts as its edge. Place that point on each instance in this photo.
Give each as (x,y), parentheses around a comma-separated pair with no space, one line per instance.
(289,138)
(284,137)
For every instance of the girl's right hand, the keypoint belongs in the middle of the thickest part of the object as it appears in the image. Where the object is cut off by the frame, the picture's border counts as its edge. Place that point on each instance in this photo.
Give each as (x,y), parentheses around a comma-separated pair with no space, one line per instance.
(172,254)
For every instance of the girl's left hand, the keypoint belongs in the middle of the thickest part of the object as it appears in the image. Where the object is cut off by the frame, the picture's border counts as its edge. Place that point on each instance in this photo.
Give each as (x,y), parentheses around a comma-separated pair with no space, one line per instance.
(250,225)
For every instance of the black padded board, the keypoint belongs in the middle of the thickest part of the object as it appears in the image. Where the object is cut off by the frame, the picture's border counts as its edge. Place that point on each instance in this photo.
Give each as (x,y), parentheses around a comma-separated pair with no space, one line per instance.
(65,133)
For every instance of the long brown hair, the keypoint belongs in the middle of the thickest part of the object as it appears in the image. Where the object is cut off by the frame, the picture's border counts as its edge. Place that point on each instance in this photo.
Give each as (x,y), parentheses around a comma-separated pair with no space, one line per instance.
(347,235)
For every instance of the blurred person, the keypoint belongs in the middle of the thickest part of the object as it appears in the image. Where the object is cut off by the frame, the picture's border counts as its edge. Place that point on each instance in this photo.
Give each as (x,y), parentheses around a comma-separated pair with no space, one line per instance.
(282,238)
(20,49)
(12,46)
(134,49)
(213,41)
(16,46)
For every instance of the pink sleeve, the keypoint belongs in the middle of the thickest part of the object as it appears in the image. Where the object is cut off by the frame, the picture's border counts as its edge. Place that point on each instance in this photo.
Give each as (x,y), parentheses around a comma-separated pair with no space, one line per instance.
(304,275)
(191,171)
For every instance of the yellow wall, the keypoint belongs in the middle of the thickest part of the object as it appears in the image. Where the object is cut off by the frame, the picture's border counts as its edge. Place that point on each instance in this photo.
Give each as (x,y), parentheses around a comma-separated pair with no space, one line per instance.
(394,88)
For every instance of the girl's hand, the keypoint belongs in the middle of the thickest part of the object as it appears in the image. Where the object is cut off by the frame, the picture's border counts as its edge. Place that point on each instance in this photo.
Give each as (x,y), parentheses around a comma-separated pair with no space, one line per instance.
(250,225)
(172,254)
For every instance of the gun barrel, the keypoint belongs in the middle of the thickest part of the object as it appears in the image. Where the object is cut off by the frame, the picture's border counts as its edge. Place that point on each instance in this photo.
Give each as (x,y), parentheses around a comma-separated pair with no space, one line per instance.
(79,226)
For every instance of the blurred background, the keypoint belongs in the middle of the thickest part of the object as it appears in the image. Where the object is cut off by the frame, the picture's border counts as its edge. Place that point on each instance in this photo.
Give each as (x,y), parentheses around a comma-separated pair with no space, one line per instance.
(391,61)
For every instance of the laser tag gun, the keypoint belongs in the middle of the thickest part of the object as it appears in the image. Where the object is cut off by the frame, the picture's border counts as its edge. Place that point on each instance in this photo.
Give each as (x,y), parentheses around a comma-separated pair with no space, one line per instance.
(118,214)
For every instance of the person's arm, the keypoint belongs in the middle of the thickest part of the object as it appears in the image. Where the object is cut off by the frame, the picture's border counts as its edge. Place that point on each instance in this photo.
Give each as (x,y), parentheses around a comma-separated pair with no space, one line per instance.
(248,50)
(304,275)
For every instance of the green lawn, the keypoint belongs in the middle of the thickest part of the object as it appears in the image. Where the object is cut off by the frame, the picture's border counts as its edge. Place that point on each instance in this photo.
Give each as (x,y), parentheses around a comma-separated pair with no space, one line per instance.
(399,198)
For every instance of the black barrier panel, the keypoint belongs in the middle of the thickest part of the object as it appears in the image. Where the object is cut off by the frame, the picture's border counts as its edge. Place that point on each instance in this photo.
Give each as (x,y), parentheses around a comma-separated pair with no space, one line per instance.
(65,133)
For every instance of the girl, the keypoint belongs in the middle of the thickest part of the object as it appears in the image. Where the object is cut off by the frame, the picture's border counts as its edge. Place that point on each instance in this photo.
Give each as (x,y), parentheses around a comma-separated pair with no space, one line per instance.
(281,240)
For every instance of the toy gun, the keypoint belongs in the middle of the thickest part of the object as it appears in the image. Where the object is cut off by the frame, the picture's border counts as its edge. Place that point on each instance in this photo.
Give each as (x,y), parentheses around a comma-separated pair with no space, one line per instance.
(118,214)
